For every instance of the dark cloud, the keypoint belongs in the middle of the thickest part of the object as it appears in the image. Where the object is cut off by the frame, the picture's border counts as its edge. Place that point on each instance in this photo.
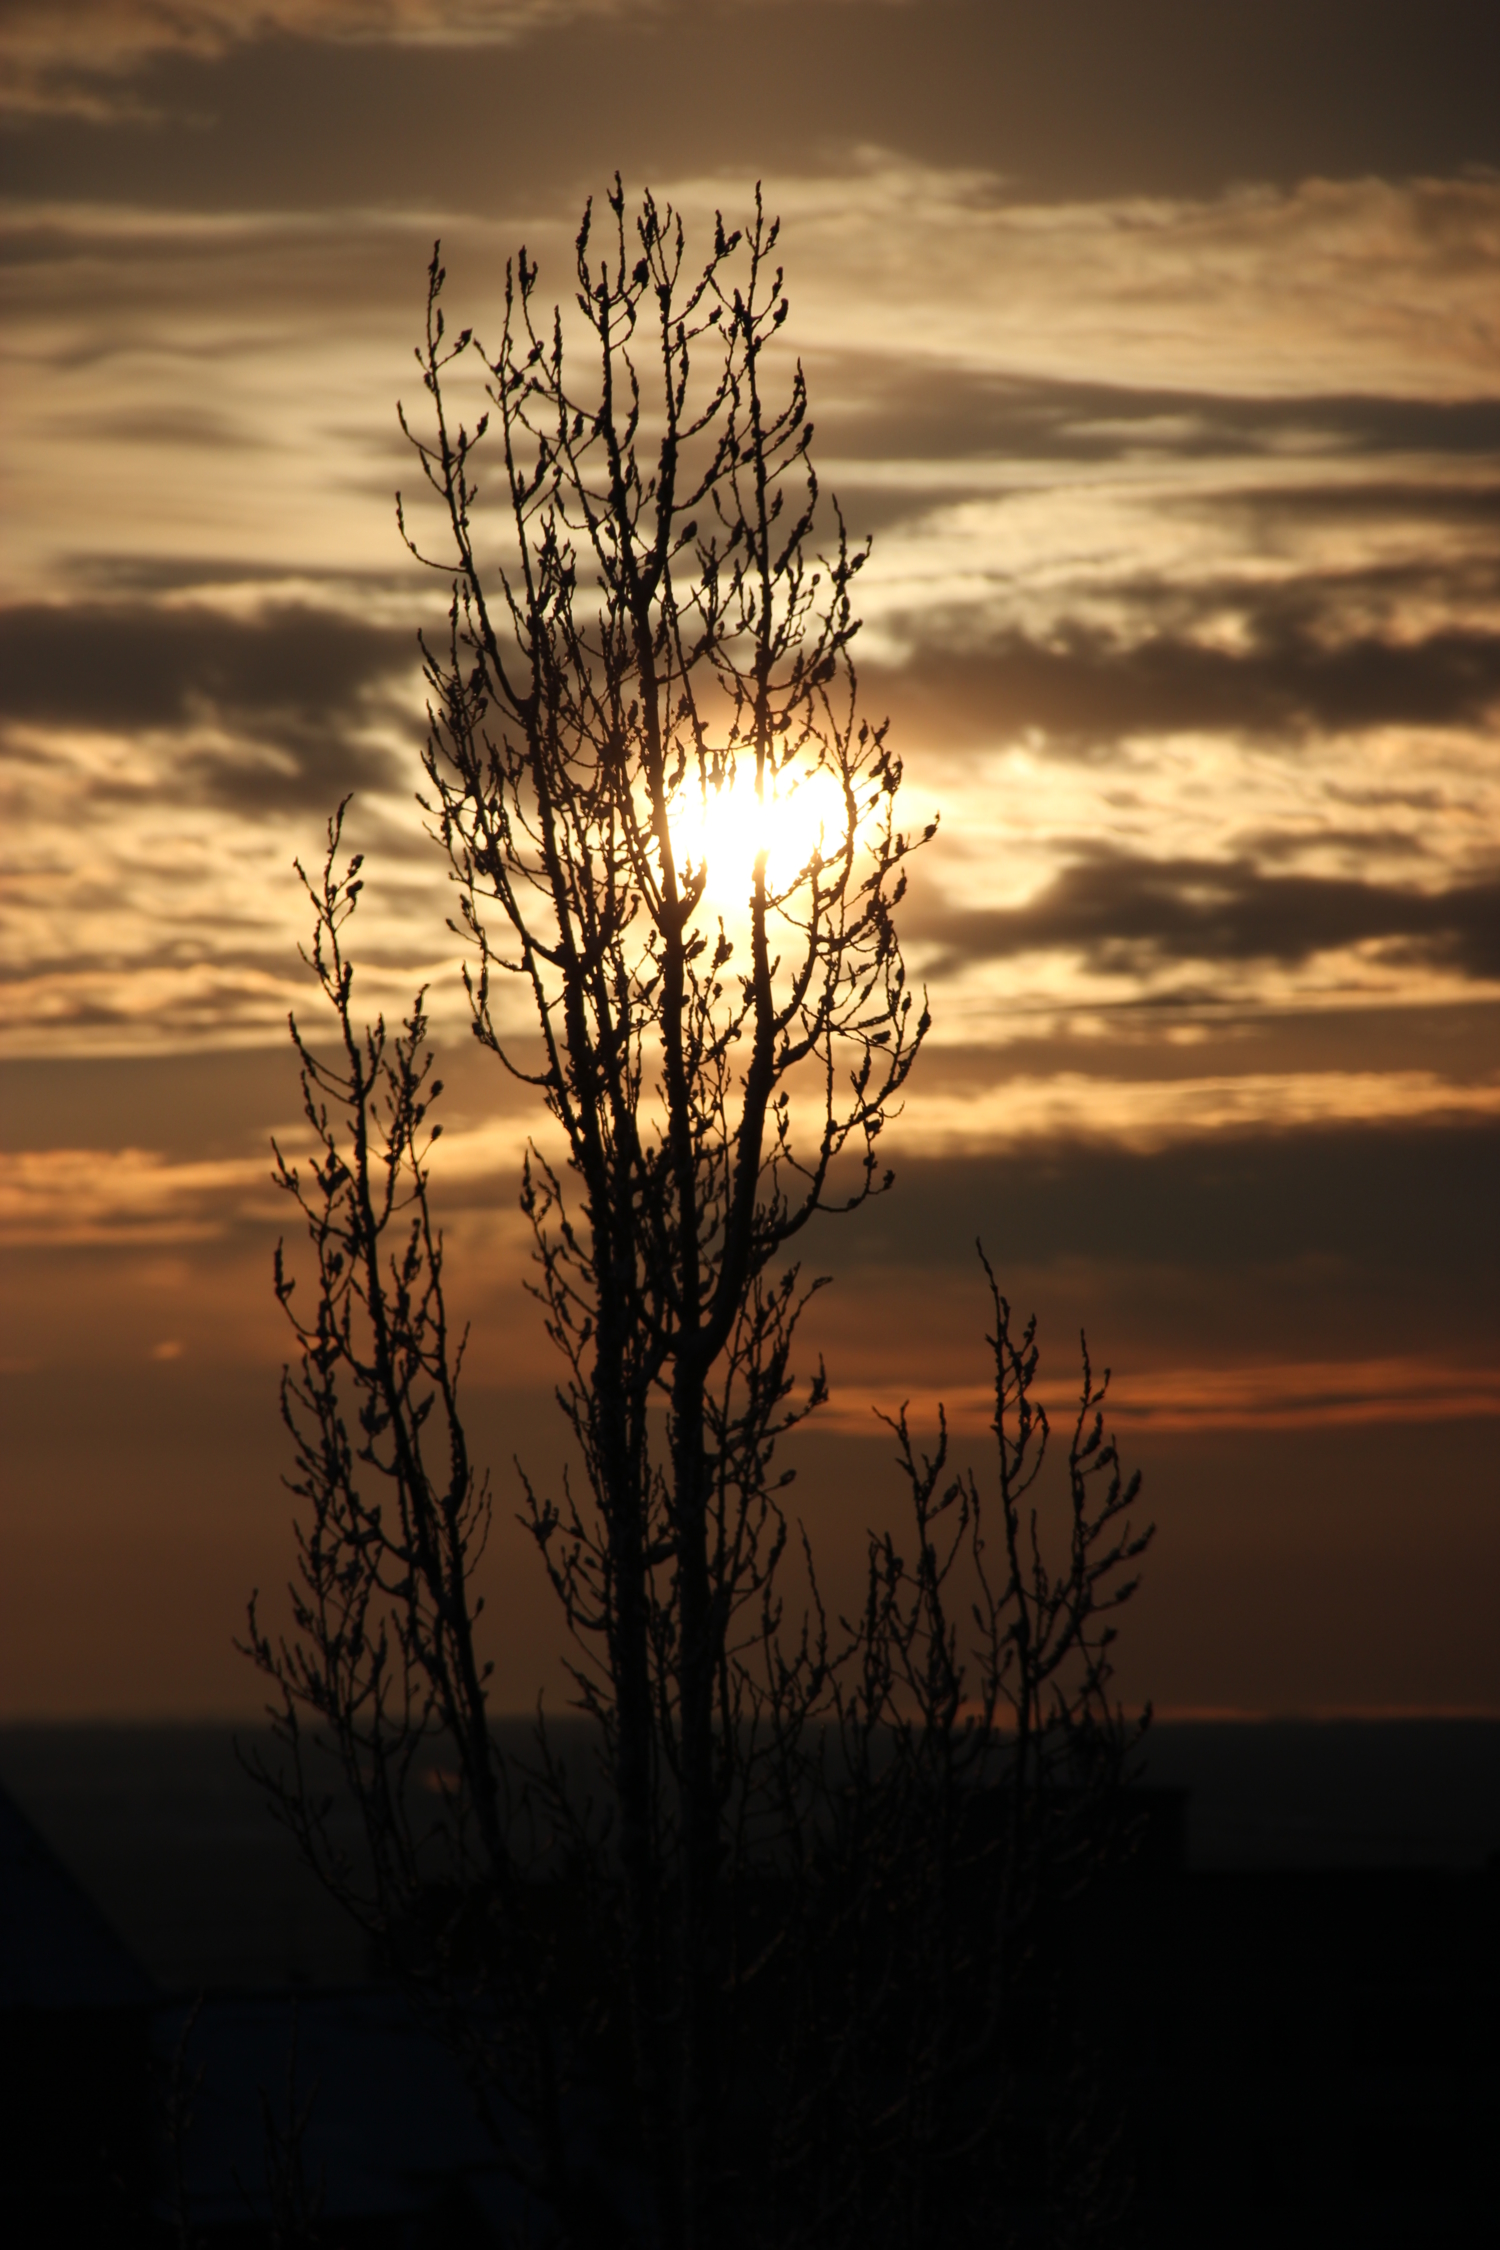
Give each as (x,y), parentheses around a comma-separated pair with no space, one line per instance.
(100,574)
(1383,843)
(1084,689)
(176,427)
(1285,625)
(289,689)
(1395,1198)
(1123,914)
(885,408)
(1457,1041)
(876,410)
(125,664)
(211,1102)
(1406,1199)
(1164,97)
(264,963)
(1378,499)
(305,766)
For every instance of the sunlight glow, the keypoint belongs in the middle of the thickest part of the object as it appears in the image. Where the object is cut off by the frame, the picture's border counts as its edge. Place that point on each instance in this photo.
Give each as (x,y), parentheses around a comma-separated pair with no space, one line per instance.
(804,813)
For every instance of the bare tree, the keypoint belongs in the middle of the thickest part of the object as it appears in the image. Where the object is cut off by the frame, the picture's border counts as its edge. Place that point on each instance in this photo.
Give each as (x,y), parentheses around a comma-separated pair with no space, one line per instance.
(788,1800)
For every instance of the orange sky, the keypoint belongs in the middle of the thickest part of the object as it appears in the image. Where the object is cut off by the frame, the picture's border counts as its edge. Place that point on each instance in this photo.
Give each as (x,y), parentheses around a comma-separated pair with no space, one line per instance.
(1161,360)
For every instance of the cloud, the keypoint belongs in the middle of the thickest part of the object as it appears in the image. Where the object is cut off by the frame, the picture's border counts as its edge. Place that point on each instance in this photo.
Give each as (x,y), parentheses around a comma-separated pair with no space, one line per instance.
(1407,1204)
(137,664)
(63,1196)
(80,1195)
(1145,1114)
(1170,584)
(269,707)
(1163,98)
(173,428)
(1268,1247)
(1296,1395)
(1292,588)
(1121,912)
(1212,332)
(235,580)
(897,406)
(57,56)
(1334,288)
(1457,1042)
(151,901)
(1084,689)
(1372,499)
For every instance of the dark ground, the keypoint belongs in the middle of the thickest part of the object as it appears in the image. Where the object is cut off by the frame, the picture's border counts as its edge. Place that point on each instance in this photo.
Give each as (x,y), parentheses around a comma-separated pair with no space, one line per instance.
(1295,1993)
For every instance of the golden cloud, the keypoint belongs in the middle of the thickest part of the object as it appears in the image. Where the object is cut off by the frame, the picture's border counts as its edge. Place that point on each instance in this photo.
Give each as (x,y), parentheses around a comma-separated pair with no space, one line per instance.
(1300,1394)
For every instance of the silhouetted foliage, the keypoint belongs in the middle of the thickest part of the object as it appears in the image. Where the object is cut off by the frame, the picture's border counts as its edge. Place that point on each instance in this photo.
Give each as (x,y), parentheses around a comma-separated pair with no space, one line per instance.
(770,1970)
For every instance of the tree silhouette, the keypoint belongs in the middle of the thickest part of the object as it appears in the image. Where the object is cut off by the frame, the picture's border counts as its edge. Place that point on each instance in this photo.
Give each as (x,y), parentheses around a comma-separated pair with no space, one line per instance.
(761,1974)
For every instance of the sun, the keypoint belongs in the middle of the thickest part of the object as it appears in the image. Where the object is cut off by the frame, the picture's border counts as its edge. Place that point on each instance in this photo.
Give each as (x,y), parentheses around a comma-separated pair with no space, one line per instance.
(727,829)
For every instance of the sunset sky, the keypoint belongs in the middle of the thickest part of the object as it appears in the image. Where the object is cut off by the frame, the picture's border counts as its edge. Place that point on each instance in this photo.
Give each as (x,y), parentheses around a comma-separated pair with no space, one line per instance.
(1158,346)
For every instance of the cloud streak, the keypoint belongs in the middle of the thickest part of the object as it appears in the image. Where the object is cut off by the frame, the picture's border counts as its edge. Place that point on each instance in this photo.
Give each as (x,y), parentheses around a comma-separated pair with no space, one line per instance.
(1121,913)
(1287,1396)
(1086,690)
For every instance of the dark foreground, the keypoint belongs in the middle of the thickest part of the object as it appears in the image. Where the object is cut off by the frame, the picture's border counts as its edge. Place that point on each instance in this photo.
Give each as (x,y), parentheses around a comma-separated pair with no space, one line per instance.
(1303,2053)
